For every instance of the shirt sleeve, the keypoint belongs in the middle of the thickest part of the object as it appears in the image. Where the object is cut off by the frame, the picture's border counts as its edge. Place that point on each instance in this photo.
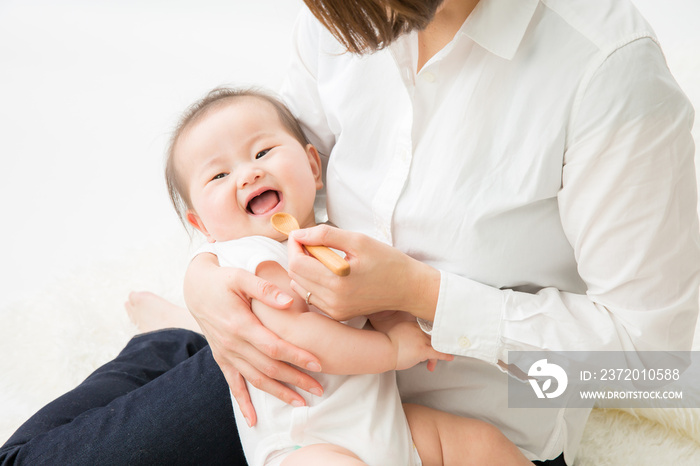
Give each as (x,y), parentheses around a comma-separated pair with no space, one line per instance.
(300,92)
(628,207)
(300,87)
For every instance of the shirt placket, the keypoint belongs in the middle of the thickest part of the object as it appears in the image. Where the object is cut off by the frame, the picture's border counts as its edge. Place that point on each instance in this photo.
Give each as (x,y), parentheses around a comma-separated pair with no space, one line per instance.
(391,187)
(384,203)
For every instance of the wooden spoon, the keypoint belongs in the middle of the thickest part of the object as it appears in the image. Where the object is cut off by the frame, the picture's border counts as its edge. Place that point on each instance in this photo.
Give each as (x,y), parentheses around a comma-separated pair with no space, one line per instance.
(286,223)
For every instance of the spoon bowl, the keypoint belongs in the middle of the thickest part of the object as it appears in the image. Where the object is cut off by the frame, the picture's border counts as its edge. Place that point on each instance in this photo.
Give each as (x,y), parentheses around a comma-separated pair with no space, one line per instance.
(284,223)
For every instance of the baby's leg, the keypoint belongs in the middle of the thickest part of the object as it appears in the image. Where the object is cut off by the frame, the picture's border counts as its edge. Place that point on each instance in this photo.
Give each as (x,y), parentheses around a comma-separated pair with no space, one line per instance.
(322,454)
(151,312)
(445,439)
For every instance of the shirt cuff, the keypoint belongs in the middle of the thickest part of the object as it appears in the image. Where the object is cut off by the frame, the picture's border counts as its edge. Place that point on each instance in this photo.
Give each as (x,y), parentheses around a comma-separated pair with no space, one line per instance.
(426,326)
(468,319)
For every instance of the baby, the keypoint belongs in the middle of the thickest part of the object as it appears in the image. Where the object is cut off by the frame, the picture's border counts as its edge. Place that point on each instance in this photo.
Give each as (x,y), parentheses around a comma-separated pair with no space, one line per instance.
(237,158)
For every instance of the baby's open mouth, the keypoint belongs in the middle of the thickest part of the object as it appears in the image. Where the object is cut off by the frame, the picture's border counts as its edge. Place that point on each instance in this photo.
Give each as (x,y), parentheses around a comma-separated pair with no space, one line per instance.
(264,202)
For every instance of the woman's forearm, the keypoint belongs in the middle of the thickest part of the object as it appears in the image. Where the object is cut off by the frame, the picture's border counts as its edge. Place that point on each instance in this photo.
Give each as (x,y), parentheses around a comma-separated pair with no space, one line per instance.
(422,290)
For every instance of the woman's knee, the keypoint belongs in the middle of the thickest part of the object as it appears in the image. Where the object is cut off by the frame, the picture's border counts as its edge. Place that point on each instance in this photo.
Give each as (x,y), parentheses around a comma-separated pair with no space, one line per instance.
(173,345)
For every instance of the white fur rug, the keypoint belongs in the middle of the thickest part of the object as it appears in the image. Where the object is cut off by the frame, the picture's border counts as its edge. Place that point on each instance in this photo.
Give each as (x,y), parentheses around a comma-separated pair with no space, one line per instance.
(52,341)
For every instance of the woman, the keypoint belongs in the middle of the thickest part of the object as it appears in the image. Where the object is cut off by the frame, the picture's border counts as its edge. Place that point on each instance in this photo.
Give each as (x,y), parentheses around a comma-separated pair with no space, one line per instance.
(525,170)
(536,158)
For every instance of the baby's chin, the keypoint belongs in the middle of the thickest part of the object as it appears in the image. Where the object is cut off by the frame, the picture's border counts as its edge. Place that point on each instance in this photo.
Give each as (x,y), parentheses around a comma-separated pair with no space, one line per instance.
(277,236)
(238,234)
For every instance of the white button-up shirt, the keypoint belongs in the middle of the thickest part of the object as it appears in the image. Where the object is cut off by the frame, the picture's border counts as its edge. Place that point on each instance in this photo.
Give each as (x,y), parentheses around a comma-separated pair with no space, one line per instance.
(543,162)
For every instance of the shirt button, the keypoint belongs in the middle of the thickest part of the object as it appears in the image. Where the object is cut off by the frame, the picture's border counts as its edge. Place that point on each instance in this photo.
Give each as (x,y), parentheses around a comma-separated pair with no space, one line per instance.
(464,342)
(428,77)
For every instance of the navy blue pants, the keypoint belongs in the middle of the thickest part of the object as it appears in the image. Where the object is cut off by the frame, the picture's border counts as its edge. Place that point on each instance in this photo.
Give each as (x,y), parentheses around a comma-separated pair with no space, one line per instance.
(163,400)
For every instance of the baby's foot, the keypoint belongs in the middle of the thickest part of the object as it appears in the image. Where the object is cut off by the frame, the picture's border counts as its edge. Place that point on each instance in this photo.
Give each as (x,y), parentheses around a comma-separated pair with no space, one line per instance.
(151,312)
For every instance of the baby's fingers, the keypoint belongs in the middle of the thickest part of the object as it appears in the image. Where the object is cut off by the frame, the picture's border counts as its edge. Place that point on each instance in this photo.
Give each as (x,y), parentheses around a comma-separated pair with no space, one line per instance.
(432,363)
(438,356)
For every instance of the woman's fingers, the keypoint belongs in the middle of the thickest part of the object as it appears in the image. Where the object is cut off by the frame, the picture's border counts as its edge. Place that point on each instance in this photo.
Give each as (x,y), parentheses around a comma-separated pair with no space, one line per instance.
(260,337)
(260,353)
(324,235)
(262,382)
(254,287)
(307,266)
(271,376)
(239,390)
(262,356)
(277,349)
(313,299)
(264,373)
(241,345)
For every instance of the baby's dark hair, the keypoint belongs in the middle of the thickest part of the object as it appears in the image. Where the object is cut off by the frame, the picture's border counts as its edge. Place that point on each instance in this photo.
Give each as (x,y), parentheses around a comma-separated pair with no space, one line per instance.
(216,99)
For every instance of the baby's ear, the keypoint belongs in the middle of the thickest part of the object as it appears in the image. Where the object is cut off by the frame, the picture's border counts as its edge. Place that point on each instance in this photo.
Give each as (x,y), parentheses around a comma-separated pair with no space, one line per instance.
(316,165)
(194,220)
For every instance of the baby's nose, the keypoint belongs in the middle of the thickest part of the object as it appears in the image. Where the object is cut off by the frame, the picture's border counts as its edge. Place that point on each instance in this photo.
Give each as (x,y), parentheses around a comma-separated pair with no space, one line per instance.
(249,176)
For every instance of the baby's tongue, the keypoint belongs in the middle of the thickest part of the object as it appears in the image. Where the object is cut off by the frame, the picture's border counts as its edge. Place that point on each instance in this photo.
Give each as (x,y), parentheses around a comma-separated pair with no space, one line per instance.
(264,202)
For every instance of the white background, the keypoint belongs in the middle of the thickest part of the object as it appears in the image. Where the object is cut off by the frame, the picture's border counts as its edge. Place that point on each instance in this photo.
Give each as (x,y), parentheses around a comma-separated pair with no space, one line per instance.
(90,90)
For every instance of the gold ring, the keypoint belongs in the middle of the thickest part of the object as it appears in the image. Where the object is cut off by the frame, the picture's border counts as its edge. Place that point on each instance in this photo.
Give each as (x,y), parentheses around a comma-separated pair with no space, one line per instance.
(308,296)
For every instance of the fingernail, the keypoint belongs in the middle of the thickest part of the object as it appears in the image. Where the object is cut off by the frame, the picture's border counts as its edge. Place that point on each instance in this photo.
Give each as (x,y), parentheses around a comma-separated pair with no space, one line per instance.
(282,298)
(312,366)
(299,234)
(297,404)
(247,421)
(316,391)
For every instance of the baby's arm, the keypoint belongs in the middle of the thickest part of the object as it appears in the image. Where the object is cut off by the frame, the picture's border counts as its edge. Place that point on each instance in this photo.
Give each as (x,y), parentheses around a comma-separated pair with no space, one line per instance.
(409,340)
(341,348)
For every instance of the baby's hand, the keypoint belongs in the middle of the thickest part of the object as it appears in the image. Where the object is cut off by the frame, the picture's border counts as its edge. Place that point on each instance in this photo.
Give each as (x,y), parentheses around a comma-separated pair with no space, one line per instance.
(412,345)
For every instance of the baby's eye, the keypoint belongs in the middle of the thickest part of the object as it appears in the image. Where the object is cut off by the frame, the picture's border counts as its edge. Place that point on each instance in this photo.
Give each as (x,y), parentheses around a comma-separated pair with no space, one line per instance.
(219,176)
(262,153)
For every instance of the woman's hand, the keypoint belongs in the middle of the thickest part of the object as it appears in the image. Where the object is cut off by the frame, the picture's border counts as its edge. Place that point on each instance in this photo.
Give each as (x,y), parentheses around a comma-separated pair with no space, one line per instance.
(381,276)
(219,299)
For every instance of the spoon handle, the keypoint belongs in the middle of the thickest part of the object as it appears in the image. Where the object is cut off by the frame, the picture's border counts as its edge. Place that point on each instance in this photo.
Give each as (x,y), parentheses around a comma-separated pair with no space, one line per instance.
(330,259)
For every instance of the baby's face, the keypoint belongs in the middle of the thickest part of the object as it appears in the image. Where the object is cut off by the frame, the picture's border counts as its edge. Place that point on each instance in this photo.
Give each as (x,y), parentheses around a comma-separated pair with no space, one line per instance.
(240,166)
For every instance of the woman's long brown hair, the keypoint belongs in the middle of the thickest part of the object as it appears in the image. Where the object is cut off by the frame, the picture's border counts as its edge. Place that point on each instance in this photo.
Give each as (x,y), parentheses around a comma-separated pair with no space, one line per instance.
(365,26)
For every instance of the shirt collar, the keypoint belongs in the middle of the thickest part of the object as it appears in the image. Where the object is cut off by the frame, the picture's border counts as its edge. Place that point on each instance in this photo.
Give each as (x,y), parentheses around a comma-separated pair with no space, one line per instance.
(499,25)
